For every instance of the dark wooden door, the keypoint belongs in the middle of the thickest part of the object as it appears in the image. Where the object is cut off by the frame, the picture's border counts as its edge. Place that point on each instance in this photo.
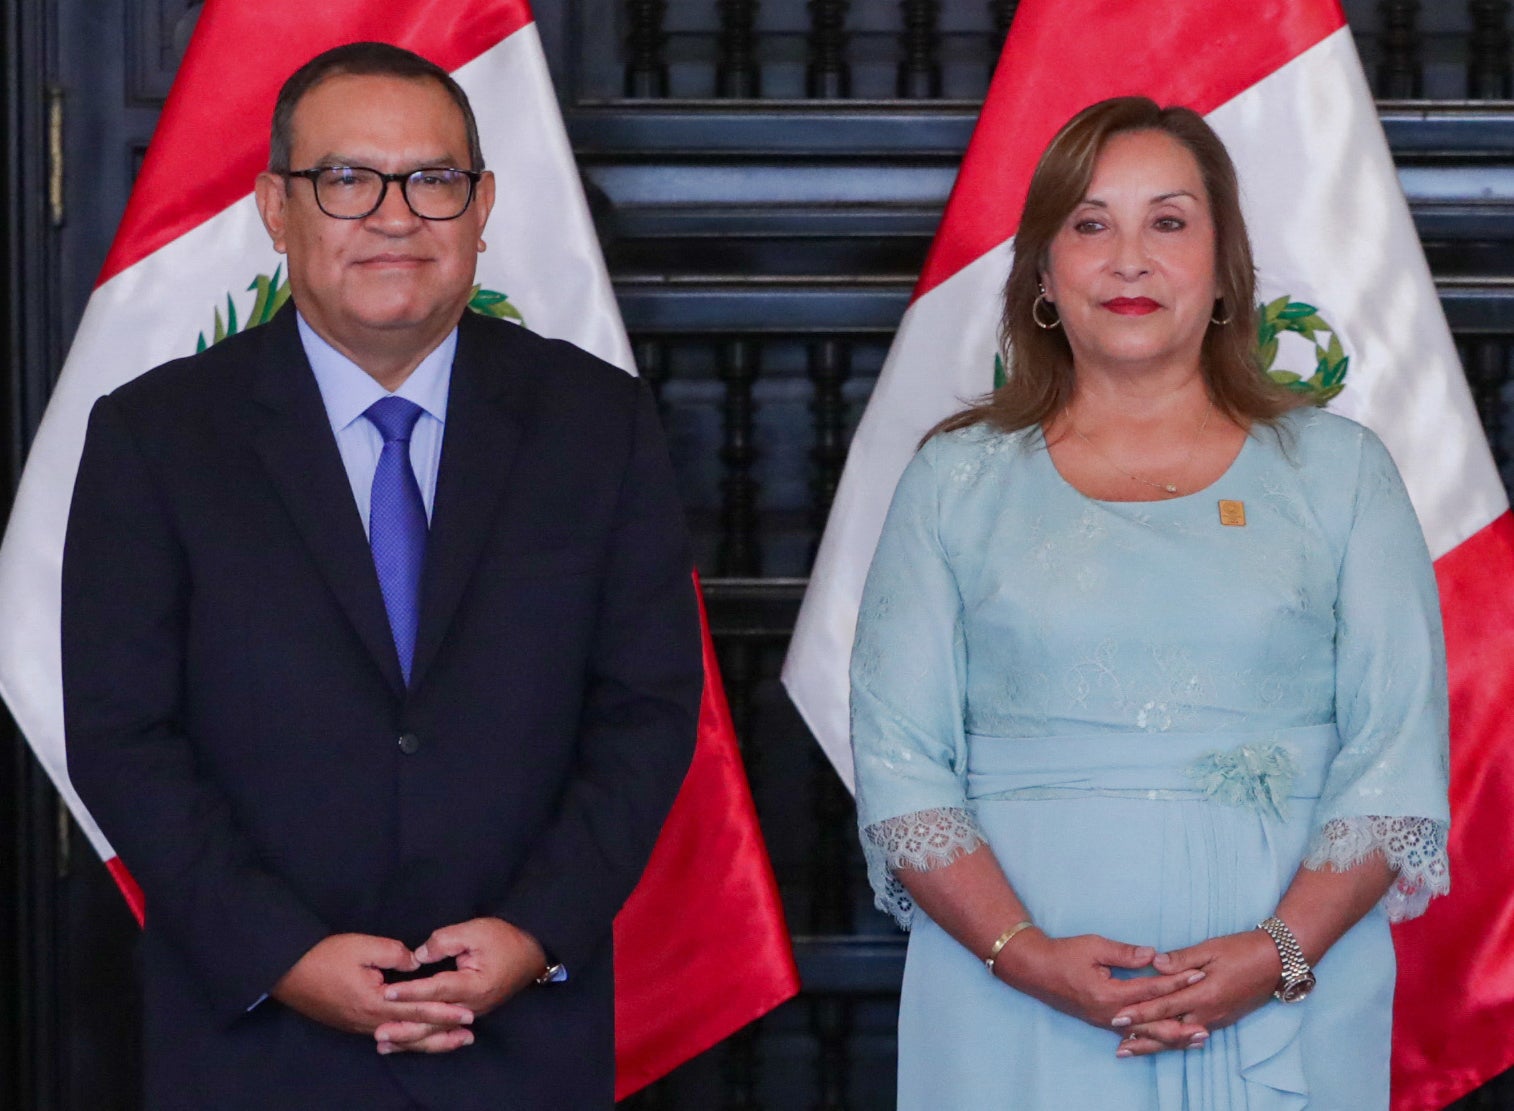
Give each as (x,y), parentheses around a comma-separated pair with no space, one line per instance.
(84,87)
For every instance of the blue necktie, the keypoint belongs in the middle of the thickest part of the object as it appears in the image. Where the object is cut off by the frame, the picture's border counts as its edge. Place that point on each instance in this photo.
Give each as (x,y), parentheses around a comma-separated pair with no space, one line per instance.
(397,523)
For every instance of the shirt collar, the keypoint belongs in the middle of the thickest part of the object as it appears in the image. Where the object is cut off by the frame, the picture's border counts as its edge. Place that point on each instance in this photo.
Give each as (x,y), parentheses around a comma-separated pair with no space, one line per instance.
(347,389)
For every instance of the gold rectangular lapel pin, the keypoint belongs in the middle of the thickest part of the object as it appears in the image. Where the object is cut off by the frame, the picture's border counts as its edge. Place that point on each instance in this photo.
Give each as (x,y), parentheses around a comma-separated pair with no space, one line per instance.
(1232,513)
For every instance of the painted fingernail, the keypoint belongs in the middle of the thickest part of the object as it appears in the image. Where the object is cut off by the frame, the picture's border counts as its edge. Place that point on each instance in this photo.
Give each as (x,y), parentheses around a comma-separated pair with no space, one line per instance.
(1195,978)
(468,1040)
(1123,1053)
(1201,1036)
(385,1049)
(1121,1020)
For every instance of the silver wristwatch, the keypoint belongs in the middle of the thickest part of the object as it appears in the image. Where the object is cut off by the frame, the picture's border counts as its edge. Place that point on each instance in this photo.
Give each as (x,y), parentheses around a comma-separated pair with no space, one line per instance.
(1298,978)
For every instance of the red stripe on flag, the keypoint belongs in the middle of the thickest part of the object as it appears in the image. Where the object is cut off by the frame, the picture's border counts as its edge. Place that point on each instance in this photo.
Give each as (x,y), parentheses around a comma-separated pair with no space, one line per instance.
(212,138)
(129,889)
(1203,53)
(1454,1005)
(707,903)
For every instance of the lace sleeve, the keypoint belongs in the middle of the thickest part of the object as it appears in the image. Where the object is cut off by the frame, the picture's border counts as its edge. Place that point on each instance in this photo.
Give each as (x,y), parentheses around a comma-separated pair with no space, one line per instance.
(924,840)
(908,673)
(1385,790)
(1414,847)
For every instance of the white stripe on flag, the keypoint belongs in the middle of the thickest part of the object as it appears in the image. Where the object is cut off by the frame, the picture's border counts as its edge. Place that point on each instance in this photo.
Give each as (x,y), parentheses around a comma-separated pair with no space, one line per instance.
(1329,224)
(543,251)
(942,356)
(145,315)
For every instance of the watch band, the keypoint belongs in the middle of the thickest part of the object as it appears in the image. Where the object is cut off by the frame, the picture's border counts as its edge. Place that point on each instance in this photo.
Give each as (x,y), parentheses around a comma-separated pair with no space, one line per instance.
(1298,978)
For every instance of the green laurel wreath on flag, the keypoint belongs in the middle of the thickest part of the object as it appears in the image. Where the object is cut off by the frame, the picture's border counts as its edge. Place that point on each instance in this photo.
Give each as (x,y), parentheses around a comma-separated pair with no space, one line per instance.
(1275,318)
(273,291)
(489,302)
(1330,359)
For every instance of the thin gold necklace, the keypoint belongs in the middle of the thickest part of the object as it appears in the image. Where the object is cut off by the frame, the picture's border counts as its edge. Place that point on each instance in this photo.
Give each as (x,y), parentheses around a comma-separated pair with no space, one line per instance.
(1166,487)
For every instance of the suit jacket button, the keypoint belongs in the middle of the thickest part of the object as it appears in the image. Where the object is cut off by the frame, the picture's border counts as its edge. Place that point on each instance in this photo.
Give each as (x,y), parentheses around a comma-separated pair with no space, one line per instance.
(410,744)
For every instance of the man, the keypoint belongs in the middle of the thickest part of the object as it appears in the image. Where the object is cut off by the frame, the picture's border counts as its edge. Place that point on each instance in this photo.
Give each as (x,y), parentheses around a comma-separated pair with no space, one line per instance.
(381,655)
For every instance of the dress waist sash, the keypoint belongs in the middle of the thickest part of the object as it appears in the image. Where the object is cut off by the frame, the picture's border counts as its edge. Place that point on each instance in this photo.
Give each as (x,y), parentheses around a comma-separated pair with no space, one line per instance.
(1212,872)
(1259,770)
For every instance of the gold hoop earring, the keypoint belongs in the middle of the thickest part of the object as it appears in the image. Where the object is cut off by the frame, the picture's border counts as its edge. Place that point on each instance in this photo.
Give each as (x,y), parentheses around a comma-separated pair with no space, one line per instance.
(1220,302)
(1035,314)
(482,246)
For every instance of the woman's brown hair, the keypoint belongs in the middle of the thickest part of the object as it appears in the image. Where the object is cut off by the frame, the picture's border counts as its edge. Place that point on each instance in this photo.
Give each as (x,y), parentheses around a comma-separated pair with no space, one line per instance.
(1040,383)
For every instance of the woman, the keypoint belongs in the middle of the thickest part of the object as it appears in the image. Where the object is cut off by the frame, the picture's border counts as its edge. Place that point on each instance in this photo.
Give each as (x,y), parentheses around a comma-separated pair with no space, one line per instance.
(1148,656)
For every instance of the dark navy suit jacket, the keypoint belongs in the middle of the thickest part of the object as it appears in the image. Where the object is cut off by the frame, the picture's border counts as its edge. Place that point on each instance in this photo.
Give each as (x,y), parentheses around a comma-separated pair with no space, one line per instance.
(235,711)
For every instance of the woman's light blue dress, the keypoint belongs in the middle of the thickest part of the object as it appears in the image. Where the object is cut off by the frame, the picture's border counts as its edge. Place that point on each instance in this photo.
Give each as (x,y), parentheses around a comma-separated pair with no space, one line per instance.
(1153,718)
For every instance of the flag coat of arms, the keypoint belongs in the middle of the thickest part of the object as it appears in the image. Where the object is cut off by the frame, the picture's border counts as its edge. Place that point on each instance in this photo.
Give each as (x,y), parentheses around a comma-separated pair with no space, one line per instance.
(192,263)
(1349,314)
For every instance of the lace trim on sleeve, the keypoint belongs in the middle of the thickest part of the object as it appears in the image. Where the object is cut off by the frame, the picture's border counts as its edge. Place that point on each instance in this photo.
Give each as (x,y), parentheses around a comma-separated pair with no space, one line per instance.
(1414,847)
(924,840)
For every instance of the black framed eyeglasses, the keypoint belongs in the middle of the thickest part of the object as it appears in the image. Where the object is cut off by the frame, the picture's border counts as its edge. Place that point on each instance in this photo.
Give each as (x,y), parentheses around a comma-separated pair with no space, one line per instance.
(353,192)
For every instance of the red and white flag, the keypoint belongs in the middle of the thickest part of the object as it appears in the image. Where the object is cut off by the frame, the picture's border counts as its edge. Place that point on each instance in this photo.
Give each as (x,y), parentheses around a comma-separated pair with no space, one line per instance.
(1352,313)
(191,262)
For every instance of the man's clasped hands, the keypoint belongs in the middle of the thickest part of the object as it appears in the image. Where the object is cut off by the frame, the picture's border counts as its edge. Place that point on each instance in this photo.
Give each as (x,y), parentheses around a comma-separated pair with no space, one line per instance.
(340,982)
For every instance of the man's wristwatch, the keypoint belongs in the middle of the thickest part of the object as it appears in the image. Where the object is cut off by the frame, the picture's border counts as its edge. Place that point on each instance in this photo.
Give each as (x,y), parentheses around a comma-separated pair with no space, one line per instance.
(553,972)
(1298,978)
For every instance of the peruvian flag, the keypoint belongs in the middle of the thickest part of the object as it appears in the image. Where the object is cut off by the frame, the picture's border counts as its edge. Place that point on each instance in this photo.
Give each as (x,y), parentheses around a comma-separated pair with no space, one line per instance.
(191,262)
(1350,315)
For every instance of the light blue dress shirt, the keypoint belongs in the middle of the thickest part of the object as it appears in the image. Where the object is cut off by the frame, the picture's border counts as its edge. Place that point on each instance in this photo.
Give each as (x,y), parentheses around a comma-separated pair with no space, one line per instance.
(347,390)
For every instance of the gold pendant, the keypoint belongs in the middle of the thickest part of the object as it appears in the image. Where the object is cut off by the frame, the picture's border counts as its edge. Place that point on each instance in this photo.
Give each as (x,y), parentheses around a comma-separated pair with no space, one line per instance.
(1232,513)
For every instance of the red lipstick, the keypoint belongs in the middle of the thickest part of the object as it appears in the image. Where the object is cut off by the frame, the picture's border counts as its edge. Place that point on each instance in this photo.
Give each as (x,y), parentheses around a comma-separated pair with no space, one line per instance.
(1132,306)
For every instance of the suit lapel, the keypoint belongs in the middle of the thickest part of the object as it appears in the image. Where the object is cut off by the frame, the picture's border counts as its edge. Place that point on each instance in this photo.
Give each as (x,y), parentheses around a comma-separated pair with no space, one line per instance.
(484,406)
(299,453)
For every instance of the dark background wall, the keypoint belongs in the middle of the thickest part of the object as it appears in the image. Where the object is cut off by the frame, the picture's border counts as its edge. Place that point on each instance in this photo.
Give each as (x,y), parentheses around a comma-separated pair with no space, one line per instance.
(766,178)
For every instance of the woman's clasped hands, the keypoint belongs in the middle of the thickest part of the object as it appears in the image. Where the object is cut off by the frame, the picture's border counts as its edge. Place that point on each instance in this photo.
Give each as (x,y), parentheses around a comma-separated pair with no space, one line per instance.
(1190,992)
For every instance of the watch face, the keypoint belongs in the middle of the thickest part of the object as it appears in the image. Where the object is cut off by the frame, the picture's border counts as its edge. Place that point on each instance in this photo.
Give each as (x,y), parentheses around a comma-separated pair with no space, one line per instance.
(1297,990)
